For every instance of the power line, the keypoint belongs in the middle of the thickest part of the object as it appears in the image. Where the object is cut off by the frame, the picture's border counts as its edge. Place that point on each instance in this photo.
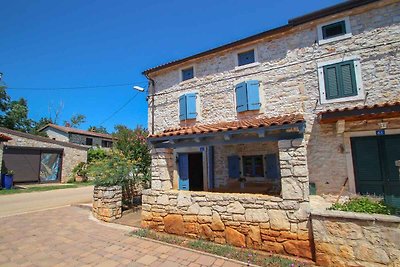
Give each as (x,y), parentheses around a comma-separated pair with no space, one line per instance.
(77,87)
(119,109)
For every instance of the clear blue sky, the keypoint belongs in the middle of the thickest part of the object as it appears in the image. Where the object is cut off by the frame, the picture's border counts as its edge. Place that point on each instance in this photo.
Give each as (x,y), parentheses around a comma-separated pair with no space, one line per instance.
(69,43)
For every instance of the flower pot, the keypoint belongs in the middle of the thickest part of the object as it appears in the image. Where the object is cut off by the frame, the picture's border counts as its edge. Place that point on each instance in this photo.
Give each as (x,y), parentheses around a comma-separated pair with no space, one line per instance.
(8,181)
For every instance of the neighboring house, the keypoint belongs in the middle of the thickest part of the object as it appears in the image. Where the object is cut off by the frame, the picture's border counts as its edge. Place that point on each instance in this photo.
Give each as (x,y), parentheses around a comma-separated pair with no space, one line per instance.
(308,104)
(39,159)
(77,136)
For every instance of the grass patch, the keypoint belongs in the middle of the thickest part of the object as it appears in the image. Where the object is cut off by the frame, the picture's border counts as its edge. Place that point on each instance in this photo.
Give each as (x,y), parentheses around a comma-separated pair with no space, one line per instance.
(39,188)
(228,251)
(364,205)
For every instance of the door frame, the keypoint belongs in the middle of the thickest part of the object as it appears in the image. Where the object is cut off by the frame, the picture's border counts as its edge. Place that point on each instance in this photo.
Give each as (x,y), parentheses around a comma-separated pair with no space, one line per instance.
(203,151)
(349,153)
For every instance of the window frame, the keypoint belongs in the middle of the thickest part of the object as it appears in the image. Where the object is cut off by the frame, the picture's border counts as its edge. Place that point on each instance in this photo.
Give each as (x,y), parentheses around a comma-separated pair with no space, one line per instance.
(348,33)
(244,50)
(253,157)
(260,98)
(357,72)
(197,106)
(91,141)
(181,74)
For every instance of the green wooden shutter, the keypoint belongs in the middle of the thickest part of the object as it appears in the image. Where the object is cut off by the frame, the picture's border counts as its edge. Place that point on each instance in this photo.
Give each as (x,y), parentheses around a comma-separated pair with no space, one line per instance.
(331,82)
(340,80)
(347,79)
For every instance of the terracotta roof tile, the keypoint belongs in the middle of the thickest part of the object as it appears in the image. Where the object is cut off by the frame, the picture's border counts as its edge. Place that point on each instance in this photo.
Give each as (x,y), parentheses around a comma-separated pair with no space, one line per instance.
(4,138)
(383,110)
(231,126)
(77,131)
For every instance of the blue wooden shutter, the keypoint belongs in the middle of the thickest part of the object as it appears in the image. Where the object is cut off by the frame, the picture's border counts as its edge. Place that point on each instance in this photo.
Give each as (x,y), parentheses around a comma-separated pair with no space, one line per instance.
(210,158)
(234,167)
(273,167)
(191,106)
(347,79)
(241,97)
(182,107)
(253,95)
(331,82)
(183,168)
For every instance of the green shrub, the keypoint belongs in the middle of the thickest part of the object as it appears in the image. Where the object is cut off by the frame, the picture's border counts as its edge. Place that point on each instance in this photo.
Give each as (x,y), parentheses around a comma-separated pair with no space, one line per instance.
(95,154)
(364,205)
(113,170)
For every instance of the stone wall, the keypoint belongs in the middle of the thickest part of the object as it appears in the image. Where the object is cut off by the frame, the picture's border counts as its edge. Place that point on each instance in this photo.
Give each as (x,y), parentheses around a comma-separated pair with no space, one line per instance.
(56,134)
(81,139)
(288,76)
(107,202)
(72,154)
(244,220)
(277,224)
(356,239)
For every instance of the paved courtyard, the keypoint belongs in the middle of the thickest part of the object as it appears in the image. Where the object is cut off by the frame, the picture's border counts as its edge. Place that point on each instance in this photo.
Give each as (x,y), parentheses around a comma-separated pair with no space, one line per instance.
(66,237)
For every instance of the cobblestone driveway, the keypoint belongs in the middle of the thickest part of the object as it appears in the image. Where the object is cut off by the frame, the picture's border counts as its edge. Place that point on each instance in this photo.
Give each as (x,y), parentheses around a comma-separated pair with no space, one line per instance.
(66,237)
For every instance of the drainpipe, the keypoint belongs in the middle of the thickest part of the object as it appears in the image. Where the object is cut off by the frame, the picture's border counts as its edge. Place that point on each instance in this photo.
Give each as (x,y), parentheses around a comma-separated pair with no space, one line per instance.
(151,92)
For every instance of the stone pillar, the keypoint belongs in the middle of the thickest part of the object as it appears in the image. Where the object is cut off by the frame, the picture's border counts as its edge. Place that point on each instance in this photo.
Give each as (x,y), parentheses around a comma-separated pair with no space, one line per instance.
(294,171)
(162,164)
(107,202)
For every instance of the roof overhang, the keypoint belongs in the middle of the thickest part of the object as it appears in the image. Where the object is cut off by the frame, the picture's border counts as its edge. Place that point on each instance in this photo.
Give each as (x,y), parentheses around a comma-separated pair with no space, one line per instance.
(241,136)
(383,111)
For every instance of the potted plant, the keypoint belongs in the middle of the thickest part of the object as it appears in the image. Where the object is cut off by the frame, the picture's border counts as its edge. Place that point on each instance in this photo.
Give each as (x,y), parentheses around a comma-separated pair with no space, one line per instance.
(9,179)
(242,181)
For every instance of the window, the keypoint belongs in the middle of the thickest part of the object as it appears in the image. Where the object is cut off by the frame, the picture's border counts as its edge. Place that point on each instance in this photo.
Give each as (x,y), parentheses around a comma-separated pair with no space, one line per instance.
(187,106)
(105,143)
(89,141)
(253,166)
(247,96)
(334,31)
(187,74)
(340,81)
(247,57)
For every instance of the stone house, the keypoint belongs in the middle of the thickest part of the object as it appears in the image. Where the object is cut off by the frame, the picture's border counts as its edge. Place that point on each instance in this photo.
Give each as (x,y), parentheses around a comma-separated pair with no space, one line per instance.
(78,136)
(39,159)
(242,133)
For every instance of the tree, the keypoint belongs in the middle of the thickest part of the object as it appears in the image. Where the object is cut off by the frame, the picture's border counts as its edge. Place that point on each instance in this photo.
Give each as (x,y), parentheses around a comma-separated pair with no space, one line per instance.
(98,129)
(37,125)
(16,116)
(75,120)
(133,145)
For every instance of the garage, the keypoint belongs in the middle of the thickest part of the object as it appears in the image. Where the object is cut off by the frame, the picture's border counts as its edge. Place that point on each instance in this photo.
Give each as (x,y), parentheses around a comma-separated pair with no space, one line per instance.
(38,159)
(33,164)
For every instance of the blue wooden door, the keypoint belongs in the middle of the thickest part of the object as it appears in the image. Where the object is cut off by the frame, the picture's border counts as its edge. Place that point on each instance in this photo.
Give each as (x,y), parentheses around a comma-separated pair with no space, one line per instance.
(183,170)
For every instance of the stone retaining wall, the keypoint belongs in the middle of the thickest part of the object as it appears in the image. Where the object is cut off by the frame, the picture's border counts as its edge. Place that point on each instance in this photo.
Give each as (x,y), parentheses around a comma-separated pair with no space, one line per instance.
(244,220)
(356,239)
(107,203)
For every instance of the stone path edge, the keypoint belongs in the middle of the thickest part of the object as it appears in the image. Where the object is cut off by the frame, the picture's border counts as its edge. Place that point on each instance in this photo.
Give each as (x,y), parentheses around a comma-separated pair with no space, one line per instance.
(131,228)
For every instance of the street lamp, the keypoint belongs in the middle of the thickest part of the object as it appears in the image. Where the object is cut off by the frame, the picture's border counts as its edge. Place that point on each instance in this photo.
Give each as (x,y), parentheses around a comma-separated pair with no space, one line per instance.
(138,88)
